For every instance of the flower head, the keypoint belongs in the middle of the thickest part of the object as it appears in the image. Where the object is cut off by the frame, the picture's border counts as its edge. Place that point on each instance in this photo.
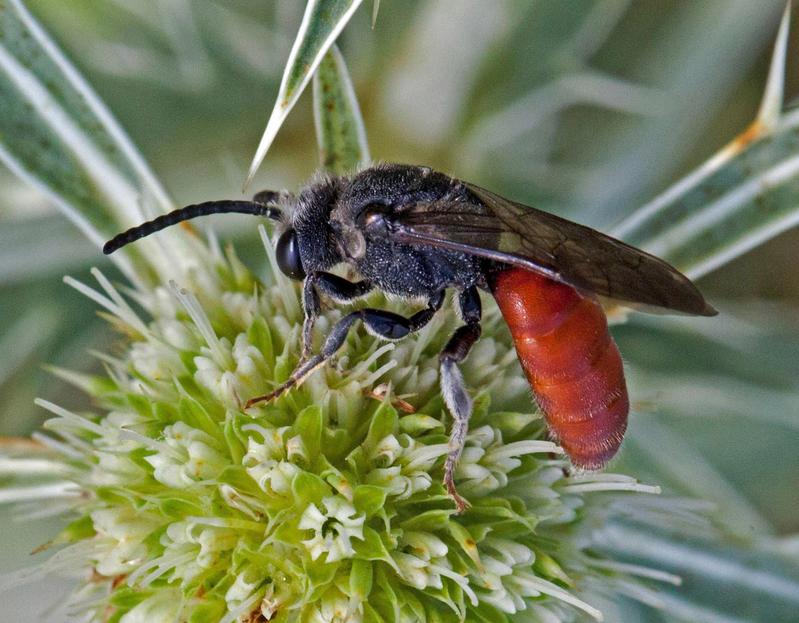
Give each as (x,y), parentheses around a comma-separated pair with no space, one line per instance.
(326,505)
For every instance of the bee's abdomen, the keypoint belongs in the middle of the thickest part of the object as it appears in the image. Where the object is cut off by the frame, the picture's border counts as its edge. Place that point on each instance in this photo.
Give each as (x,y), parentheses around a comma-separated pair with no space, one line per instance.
(571,362)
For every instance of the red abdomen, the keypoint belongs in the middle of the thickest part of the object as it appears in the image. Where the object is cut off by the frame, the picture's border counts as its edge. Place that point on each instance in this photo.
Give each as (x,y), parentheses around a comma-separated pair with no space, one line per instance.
(572,364)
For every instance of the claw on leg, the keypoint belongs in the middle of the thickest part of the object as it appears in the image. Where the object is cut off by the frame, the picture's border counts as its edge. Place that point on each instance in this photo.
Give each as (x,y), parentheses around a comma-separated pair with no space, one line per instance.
(266,397)
(303,371)
(461,504)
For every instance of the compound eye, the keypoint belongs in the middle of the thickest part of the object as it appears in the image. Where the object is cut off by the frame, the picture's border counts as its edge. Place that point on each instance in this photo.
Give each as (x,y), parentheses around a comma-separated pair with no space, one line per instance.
(288,255)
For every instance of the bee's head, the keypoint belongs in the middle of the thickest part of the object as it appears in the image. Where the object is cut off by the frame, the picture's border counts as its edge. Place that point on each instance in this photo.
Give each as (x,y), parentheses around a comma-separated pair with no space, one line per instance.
(310,241)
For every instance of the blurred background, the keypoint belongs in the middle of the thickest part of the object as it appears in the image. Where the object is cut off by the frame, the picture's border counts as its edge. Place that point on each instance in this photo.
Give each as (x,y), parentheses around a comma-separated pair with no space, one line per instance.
(586,108)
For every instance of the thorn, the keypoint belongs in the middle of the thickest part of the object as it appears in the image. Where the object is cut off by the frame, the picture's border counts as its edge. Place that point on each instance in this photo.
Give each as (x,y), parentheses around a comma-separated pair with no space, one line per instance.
(250,174)
(375,10)
(752,133)
(771,105)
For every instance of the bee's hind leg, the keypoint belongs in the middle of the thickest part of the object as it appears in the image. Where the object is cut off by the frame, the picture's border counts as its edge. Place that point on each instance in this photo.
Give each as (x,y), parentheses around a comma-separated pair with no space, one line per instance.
(453,388)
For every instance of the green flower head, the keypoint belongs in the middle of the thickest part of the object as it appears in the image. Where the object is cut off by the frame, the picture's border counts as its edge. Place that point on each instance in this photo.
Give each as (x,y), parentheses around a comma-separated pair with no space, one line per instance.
(326,504)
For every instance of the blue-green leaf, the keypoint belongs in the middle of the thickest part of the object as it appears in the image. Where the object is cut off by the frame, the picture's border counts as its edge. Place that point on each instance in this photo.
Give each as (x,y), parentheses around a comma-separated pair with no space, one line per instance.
(321,24)
(340,132)
(721,582)
(743,196)
(56,134)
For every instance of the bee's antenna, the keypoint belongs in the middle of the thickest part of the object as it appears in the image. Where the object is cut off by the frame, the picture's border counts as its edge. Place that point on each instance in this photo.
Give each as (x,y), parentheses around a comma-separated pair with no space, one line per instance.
(189,212)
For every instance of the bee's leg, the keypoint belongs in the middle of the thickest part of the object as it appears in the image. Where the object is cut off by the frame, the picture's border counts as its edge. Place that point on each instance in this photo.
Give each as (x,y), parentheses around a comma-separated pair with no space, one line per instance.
(453,388)
(337,288)
(384,324)
(312,307)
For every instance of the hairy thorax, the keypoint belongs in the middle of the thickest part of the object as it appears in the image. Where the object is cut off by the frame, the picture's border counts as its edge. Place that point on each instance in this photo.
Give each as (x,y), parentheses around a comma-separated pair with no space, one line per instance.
(409,271)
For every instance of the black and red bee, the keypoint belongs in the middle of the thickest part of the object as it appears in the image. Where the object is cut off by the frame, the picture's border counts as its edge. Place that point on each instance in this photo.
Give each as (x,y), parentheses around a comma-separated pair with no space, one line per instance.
(413,232)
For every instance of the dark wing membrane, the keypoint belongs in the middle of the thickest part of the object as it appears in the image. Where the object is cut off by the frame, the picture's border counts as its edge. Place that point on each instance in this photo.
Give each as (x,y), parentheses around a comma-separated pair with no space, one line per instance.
(502,230)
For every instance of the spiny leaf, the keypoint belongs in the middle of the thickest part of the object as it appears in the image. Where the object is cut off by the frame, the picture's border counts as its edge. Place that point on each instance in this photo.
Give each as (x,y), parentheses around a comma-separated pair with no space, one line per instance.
(771,104)
(738,199)
(56,134)
(375,11)
(674,459)
(340,132)
(321,24)
(731,582)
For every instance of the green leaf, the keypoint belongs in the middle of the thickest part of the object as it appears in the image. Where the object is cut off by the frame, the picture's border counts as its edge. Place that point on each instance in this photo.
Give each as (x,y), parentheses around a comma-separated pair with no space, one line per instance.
(177,508)
(548,567)
(417,423)
(369,499)
(375,11)
(384,423)
(58,136)
(370,615)
(238,478)
(125,597)
(361,579)
(467,542)
(741,197)
(319,574)
(321,24)
(340,132)
(309,426)
(428,521)
(308,488)
(208,610)
(372,547)
(259,335)
(289,534)
(488,613)
(387,600)
(82,528)
(232,438)
(192,413)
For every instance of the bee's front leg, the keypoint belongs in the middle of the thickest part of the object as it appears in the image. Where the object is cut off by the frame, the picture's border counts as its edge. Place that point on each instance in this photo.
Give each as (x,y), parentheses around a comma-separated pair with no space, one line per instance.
(312,307)
(333,286)
(384,324)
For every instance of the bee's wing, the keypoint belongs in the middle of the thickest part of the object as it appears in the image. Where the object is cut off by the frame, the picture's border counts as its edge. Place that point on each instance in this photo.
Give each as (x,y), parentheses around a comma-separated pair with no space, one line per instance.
(503,230)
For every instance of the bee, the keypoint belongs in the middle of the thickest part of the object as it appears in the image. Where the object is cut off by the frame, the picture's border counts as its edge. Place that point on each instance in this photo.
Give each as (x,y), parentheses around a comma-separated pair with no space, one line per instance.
(414,232)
